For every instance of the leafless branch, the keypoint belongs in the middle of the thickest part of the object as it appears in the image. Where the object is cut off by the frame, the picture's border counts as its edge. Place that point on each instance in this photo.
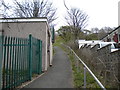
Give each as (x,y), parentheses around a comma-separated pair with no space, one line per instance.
(35,8)
(77,19)
(65,5)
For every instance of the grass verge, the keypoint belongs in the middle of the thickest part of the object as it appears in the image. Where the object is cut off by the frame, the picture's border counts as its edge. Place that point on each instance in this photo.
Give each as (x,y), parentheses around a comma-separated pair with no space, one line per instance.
(77,69)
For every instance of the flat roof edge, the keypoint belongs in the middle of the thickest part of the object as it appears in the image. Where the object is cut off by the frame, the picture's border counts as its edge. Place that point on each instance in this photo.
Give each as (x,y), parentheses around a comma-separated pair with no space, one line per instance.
(40,19)
(26,18)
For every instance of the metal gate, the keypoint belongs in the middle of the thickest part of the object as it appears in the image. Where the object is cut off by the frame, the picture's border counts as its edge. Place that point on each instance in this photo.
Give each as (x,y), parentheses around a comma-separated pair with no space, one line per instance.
(19,59)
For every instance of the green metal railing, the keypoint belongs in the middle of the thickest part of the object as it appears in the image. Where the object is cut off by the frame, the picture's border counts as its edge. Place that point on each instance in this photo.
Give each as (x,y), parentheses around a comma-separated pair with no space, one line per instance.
(53,34)
(19,60)
(36,56)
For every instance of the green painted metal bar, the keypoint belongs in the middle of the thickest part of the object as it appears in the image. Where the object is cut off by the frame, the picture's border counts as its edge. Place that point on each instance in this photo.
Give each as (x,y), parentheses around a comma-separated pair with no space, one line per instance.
(24,48)
(20,60)
(33,55)
(18,56)
(36,50)
(5,40)
(27,62)
(15,66)
(41,56)
(18,63)
(10,62)
(27,68)
(30,57)
(22,56)
(7,64)
(23,61)
(13,63)
(37,56)
(34,58)
(1,57)
(14,45)
(53,34)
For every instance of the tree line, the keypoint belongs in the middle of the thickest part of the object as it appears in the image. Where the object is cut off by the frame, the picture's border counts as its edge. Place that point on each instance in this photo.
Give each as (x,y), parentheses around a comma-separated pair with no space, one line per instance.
(67,33)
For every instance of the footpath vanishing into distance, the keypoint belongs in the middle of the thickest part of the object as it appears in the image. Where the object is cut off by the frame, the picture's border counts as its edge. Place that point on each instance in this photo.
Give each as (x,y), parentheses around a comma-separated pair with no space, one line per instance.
(57,76)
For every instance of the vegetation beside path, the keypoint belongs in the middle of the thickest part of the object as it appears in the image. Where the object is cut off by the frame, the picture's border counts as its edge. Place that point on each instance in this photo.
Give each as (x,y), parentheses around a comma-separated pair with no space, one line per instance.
(77,68)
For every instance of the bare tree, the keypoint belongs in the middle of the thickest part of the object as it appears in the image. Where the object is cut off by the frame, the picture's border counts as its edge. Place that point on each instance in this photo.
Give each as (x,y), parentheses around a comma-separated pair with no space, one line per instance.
(31,8)
(4,8)
(107,29)
(76,18)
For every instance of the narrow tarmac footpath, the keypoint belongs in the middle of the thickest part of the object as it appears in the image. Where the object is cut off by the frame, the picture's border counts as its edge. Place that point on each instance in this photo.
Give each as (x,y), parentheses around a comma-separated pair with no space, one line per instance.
(57,76)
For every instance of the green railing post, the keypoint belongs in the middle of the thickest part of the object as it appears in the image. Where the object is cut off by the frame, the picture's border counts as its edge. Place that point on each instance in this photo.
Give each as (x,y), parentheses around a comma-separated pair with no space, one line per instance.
(1,54)
(30,57)
(39,58)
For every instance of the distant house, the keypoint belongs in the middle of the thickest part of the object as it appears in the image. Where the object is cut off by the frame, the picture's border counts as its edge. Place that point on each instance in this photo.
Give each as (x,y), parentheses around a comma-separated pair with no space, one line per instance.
(86,32)
(113,36)
(38,27)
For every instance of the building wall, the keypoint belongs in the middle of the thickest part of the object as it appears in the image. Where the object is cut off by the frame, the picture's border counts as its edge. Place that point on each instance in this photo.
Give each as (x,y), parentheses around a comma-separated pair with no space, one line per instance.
(119,13)
(0,32)
(119,35)
(119,21)
(111,36)
(37,29)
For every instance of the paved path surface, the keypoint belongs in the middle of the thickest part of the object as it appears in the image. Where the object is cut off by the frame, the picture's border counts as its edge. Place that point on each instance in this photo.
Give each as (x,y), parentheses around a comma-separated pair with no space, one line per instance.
(57,76)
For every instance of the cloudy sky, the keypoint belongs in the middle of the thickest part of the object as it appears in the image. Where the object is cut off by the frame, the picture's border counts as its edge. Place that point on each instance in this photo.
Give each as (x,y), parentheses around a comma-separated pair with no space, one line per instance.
(101,12)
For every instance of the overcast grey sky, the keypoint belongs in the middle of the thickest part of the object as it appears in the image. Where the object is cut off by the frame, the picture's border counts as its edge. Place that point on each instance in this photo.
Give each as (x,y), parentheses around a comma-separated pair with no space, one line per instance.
(101,12)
